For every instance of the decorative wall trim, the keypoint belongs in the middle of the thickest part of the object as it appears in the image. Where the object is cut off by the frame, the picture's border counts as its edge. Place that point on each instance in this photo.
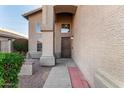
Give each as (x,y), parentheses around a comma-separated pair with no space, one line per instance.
(46,30)
(105,80)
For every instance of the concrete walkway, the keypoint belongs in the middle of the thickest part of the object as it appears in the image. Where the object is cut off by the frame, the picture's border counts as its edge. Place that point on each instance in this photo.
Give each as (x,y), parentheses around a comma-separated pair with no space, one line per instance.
(59,76)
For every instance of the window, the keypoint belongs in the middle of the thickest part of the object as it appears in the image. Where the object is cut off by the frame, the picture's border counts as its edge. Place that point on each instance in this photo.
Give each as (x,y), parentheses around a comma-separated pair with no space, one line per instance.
(65,28)
(39,46)
(38,27)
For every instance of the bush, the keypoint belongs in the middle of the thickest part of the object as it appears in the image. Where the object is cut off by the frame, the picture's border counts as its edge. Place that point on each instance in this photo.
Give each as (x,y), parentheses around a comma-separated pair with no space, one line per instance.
(20,45)
(10,65)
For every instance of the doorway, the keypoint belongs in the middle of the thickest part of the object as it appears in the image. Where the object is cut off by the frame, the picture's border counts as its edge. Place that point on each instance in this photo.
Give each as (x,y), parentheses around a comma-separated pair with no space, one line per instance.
(65,47)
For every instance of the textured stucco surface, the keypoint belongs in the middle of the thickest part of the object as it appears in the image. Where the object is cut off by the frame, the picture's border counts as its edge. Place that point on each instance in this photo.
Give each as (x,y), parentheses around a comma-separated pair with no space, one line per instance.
(33,35)
(99,40)
(46,35)
(47,17)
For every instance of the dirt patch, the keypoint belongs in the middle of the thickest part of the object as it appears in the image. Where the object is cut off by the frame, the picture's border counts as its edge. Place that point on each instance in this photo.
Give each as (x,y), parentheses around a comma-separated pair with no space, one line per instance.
(36,80)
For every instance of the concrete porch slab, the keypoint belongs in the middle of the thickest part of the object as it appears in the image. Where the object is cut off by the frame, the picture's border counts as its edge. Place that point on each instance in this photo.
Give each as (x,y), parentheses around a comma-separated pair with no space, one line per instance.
(58,78)
(59,75)
(65,75)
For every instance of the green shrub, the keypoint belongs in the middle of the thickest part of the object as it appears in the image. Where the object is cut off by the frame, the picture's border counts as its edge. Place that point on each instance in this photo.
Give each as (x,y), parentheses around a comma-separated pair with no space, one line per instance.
(2,82)
(10,65)
(20,45)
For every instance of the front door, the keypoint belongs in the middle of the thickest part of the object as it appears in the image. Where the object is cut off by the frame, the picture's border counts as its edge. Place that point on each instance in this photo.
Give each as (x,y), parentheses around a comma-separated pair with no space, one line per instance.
(66,47)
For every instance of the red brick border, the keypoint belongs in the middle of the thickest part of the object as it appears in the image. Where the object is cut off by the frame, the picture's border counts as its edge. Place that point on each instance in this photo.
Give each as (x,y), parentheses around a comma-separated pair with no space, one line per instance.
(77,78)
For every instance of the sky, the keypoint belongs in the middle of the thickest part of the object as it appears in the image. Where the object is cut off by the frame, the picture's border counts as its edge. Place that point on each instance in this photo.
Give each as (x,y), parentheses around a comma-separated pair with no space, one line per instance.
(11,17)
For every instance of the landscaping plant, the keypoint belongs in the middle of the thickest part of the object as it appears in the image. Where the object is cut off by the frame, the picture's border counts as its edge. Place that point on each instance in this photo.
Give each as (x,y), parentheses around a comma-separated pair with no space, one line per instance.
(10,65)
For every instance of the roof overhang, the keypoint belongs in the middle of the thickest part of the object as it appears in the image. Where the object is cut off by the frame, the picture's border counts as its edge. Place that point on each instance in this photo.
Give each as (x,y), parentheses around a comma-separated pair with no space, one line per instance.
(11,34)
(57,9)
(26,15)
(65,9)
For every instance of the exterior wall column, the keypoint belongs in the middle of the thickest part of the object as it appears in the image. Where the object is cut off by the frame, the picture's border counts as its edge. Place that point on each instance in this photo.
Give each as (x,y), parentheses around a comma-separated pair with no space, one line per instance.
(6,45)
(47,58)
(47,18)
(9,45)
(32,41)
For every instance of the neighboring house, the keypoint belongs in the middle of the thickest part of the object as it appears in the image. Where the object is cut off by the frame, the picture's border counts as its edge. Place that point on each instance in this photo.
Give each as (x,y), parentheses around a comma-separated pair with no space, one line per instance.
(6,39)
(93,36)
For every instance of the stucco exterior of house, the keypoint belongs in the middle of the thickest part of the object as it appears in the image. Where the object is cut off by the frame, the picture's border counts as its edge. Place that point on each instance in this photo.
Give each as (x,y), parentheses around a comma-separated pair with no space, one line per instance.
(6,39)
(93,36)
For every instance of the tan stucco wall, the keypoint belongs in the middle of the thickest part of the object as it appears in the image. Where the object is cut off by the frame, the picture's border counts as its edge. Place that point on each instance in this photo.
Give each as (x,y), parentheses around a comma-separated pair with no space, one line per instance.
(61,19)
(45,18)
(47,40)
(33,35)
(99,40)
